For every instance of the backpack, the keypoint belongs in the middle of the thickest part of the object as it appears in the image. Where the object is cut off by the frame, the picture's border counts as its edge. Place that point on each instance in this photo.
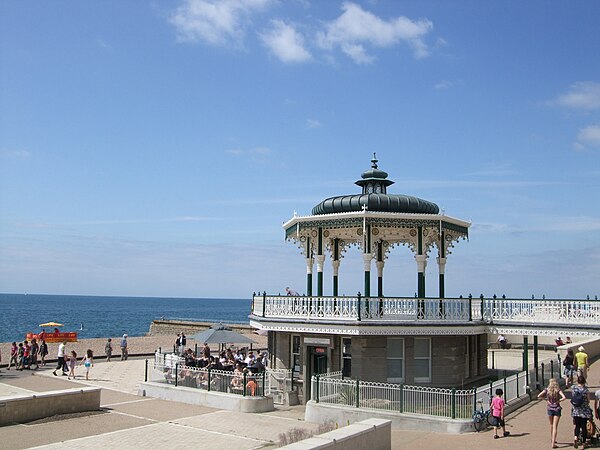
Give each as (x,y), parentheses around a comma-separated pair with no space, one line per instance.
(577,398)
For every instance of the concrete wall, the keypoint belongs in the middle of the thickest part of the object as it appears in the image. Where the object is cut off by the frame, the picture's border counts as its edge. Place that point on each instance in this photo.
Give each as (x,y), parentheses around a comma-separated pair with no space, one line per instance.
(592,348)
(321,413)
(188,327)
(23,408)
(217,400)
(370,433)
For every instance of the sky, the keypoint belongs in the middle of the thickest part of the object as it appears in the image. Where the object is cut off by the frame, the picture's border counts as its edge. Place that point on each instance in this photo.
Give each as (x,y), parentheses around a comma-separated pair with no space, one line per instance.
(155,148)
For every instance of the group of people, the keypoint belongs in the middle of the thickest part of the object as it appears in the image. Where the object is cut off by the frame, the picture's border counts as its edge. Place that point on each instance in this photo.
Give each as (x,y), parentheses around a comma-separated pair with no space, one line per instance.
(24,355)
(581,411)
(226,360)
(66,362)
(576,368)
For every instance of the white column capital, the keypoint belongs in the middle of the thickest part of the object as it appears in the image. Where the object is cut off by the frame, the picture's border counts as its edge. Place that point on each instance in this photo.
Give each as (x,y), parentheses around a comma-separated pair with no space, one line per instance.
(320,261)
(442,264)
(367,257)
(421,262)
(309,265)
(336,266)
(380,265)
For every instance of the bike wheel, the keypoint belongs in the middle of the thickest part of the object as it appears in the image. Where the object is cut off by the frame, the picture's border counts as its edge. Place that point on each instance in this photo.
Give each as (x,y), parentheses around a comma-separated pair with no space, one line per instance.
(479,422)
(491,420)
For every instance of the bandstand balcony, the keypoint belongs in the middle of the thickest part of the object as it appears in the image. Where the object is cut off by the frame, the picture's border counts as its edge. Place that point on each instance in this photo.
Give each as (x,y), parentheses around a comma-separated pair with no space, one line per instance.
(532,312)
(367,309)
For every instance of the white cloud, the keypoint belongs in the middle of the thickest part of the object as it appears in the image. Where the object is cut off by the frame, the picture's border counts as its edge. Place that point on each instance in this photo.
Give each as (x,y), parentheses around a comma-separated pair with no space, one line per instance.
(357,28)
(254,151)
(313,123)
(217,22)
(588,137)
(16,154)
(286,43)
(584,95)
(443,85)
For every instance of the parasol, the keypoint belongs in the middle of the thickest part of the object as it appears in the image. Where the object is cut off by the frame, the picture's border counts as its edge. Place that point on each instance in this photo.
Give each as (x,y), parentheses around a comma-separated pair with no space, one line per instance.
(219,334)
(51,324)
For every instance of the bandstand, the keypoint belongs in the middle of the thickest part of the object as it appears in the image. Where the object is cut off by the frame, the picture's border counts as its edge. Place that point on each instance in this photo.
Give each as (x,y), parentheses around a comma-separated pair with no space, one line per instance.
(373,336)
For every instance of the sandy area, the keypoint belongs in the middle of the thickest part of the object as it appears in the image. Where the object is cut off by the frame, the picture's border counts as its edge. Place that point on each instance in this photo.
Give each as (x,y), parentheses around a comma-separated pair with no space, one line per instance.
(137,345)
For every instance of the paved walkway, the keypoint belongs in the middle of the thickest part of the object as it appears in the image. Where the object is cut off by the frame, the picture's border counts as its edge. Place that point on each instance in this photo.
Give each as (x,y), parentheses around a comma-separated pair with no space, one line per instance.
(128,421)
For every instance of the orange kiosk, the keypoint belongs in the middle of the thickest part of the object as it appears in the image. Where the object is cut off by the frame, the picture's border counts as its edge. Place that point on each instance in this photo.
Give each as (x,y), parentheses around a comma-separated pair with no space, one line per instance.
(55,336)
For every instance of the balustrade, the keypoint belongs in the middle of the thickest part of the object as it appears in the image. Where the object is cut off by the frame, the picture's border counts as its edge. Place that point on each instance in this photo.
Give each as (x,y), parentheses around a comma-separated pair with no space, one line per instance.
(409,309)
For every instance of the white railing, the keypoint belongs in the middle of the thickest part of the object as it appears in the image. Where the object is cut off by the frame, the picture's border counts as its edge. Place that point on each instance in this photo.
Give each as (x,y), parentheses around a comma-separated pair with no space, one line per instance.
(447,310)
(585,312)
(278,382)
(363,309)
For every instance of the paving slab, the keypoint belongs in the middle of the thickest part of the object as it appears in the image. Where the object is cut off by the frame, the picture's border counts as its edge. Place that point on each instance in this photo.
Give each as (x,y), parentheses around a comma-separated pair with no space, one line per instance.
(58,431)
(160,410)
(255,426)
(160,435)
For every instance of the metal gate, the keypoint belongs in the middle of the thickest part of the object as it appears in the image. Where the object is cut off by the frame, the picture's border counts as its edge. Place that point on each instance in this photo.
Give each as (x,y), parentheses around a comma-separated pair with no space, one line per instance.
(278,382)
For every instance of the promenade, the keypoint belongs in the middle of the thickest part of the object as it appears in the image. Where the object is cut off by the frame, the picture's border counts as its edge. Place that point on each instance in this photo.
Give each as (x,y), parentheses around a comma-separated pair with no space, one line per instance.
(129,421)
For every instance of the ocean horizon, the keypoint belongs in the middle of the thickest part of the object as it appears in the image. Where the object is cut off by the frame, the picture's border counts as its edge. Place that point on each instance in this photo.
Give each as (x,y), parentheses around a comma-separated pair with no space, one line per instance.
(102,316)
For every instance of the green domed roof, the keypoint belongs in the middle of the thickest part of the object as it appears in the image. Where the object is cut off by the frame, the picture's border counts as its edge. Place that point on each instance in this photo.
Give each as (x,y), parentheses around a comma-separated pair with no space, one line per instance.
(374,197)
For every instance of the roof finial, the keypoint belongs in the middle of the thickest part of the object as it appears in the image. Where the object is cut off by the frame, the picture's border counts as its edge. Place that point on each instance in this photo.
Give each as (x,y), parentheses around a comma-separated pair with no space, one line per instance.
(374,161)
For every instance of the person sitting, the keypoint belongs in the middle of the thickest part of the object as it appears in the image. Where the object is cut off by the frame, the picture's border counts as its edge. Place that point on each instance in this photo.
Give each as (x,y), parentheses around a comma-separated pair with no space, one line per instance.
(250,359)
(291,292)
(559,341)
(502,341)
(237,382)
(568,341)
(251,387)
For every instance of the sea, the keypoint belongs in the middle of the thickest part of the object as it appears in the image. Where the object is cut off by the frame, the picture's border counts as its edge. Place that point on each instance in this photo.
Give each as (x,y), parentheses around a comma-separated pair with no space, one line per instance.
(95,316)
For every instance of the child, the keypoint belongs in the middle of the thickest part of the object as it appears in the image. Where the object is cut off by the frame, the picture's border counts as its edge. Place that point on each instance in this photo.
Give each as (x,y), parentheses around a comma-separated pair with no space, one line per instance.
(20,357)
(108,349)
(498,413)
(88,361)
(14,353)
(72,364)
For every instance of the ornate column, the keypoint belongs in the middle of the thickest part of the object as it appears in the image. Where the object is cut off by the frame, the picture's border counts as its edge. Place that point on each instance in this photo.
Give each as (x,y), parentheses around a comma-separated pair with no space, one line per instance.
(320,261)
(380,263)
(367,257)
(421,264)
(309,271)
(335,262)
(442,266)
(336,268)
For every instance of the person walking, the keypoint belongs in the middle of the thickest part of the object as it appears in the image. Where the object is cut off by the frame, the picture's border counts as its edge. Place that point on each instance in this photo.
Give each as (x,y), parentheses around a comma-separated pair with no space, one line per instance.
(35,349)
(582,362)
(14,354)
(569,364)
(72,364)
(580,411)
(108,349)
(43,351)
(124,353)
(61,358)
(553,396)
(88,361)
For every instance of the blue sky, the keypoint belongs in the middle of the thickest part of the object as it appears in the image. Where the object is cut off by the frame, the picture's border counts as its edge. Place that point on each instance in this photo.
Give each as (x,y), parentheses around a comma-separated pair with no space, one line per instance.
(155,148)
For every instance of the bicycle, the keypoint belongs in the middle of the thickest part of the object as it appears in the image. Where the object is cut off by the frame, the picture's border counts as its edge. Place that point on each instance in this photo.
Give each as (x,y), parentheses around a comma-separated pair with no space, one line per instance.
(482,418)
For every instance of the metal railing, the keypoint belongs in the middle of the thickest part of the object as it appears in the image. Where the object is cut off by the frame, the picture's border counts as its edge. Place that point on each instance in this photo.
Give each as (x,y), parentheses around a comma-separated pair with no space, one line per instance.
(431,401)
(447,310)
(245,384)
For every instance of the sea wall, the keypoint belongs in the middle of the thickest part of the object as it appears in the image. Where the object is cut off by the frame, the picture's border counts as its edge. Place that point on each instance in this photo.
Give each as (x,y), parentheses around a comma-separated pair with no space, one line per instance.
(172,327)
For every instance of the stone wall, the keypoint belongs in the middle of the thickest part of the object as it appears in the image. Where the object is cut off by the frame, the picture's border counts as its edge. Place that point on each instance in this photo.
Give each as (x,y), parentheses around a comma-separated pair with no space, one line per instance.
(189,327)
